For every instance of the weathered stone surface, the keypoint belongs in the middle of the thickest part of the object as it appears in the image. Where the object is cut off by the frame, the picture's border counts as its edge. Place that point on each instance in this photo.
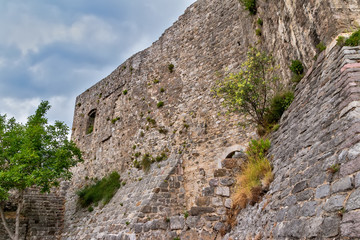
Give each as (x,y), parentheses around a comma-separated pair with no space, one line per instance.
(228,203)
(194,222)
(334,203)
(322,191)
(350,167)
(291,200)
(196,211)
(330,226)
(230,163)
(227,181)
(177,223)
(222,191)
(305,195)
(350,225)
(214,182)
(218,226)
(309,209)
(300,187)
(202,201)
(357,180)
(341,185)
(313,227)
(137,227)
(354,201)
(217,201)
(220,172)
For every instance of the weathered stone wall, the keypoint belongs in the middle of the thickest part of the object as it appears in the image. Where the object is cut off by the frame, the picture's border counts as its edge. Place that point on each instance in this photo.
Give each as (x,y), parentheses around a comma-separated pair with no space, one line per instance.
(320,130)
(191,127)
(42,216)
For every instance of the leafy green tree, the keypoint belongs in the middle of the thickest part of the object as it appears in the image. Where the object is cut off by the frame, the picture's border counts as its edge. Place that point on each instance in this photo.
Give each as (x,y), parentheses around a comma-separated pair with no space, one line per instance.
(250,90)
(35,154)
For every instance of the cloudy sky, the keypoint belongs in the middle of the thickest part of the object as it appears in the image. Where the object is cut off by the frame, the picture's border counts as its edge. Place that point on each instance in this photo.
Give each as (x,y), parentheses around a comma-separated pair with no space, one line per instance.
(55,50)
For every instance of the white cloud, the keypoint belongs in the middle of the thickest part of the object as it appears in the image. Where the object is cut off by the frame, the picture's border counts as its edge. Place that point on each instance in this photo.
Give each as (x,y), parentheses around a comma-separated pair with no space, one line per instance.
(30,33)
(21,109)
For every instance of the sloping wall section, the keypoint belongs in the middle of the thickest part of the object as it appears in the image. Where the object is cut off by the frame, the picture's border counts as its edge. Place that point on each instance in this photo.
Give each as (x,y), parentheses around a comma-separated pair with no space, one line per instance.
(316,157)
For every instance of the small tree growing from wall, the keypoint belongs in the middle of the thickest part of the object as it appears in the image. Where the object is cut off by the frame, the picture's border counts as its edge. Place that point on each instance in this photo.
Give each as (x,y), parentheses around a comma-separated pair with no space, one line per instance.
(36,154)
(250,90)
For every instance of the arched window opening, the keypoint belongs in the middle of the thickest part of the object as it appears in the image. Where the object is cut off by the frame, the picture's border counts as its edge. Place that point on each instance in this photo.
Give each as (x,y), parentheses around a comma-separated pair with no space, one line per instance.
(236,154)
(91,121)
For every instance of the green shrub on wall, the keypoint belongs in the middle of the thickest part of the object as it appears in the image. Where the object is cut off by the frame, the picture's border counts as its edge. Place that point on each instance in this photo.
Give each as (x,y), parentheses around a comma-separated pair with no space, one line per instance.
(297,67)
(353,40)
(102,190)
(249,5)
(249,91)
(278,105)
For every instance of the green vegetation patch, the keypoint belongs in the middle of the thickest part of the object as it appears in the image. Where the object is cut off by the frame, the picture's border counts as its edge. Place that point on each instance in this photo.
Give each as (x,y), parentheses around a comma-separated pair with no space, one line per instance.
(353,40)
(297,67)
(102,190)
(279,103)
(256,174)
(250,5)
(171,67)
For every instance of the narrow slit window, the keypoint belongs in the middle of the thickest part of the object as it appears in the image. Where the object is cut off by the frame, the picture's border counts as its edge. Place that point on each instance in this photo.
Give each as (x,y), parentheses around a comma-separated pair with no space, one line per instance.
(91,121)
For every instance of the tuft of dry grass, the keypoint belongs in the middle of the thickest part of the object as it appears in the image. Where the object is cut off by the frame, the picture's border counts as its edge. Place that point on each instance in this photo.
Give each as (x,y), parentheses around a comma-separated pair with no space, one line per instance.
(255,177)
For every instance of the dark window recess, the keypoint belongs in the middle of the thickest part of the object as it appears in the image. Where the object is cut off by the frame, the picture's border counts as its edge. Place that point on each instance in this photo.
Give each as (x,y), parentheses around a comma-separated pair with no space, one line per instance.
(236,154)
(91,121)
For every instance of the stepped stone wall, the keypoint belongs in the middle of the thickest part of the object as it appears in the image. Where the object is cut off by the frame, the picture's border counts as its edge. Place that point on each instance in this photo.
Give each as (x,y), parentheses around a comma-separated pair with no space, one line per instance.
(42,216)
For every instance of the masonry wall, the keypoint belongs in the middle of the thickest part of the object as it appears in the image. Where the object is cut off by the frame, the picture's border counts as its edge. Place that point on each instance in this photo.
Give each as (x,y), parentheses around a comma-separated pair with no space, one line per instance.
(42,216)
(191,128)
(310,197)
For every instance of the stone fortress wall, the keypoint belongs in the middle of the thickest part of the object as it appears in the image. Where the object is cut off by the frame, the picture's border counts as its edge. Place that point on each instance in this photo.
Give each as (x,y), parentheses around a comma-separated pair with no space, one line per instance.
(196,134)
(209,37)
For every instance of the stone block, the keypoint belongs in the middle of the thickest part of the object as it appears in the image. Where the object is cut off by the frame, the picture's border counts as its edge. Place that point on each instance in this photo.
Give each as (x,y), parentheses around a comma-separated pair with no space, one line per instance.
(177,222)
(350,225)
(217,201)
(230,163)
(313,227)
(294,228)
(354,151)
(357,180)
(220,172)
(228,203)
(305,195)
(309,209)
(214,182)
(330,226)
(137,227)
(334,203)
(208,191)
(227,181)
(197,211)
(350,167)
(300,187)
(322,191)
(218,226)
(342,185)
(222,191)
(202,201)
(146,209)
(290,200)
(354,200)
(194,222)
